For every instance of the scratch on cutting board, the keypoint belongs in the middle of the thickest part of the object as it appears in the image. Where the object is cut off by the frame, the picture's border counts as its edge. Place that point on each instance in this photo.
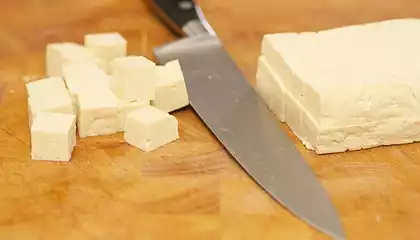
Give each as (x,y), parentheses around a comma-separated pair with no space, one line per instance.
(366,168)
(359,168)
(11,134)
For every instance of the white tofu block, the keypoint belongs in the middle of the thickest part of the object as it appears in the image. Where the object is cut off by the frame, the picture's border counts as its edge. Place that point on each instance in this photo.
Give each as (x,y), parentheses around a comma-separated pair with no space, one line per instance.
(60,54)
(79,75)
(84,77)
(351,75)
(53,137)
(386,103)
(106,47)
(171,92)
(48,95)
(124,109)
(150,128)
(97,113)
(46,85)
(134,78)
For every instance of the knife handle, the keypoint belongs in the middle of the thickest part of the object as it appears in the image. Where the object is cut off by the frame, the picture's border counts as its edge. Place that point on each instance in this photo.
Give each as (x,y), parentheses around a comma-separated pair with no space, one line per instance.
(181,16)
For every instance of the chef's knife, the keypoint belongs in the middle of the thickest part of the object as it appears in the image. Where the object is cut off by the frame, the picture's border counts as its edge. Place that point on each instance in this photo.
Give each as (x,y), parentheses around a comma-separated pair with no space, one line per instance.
(238,117)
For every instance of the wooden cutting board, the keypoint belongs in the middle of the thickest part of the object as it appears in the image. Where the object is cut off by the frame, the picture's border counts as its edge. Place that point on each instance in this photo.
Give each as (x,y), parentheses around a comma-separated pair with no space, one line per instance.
(190,189)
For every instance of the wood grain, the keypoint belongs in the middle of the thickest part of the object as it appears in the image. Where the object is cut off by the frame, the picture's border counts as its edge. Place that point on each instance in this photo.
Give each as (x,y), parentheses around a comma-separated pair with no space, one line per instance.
(190,189)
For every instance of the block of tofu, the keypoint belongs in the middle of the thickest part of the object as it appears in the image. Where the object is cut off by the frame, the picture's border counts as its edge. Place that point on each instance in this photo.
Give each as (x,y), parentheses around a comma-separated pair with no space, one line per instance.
(150,128)
(84,77)
(358,67)
(106,47)
(53,136)
(359,105)
(60,54)
(45,85)
(97,113)
(48,95)
(171,92)
(125,108)
(134,78)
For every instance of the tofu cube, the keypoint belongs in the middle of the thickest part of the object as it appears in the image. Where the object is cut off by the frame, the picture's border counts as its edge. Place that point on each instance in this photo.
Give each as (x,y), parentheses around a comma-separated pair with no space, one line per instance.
(48,95)
(124,109)
(53,136)
(171,92)
(106,47)
(150,128)
(60,54)
(46,86)
(97,113)
(84,77)
(134,78)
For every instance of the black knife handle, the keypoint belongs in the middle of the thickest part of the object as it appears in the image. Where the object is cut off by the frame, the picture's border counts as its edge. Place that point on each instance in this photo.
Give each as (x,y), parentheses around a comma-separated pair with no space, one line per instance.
(175,13)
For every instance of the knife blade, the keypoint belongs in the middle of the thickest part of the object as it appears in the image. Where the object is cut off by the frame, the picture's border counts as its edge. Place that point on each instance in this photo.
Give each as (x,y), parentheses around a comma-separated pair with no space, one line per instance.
(240,120)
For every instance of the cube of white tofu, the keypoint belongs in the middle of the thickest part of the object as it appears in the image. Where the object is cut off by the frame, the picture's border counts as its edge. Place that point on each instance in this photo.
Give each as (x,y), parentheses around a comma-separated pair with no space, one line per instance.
(150,128)
(133,78)
(84,77)
(46,85)
(78,75)
(124,109)
(60,54)
(171,92)
(97,113)
(106,47)
(48,95)
(53,136)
